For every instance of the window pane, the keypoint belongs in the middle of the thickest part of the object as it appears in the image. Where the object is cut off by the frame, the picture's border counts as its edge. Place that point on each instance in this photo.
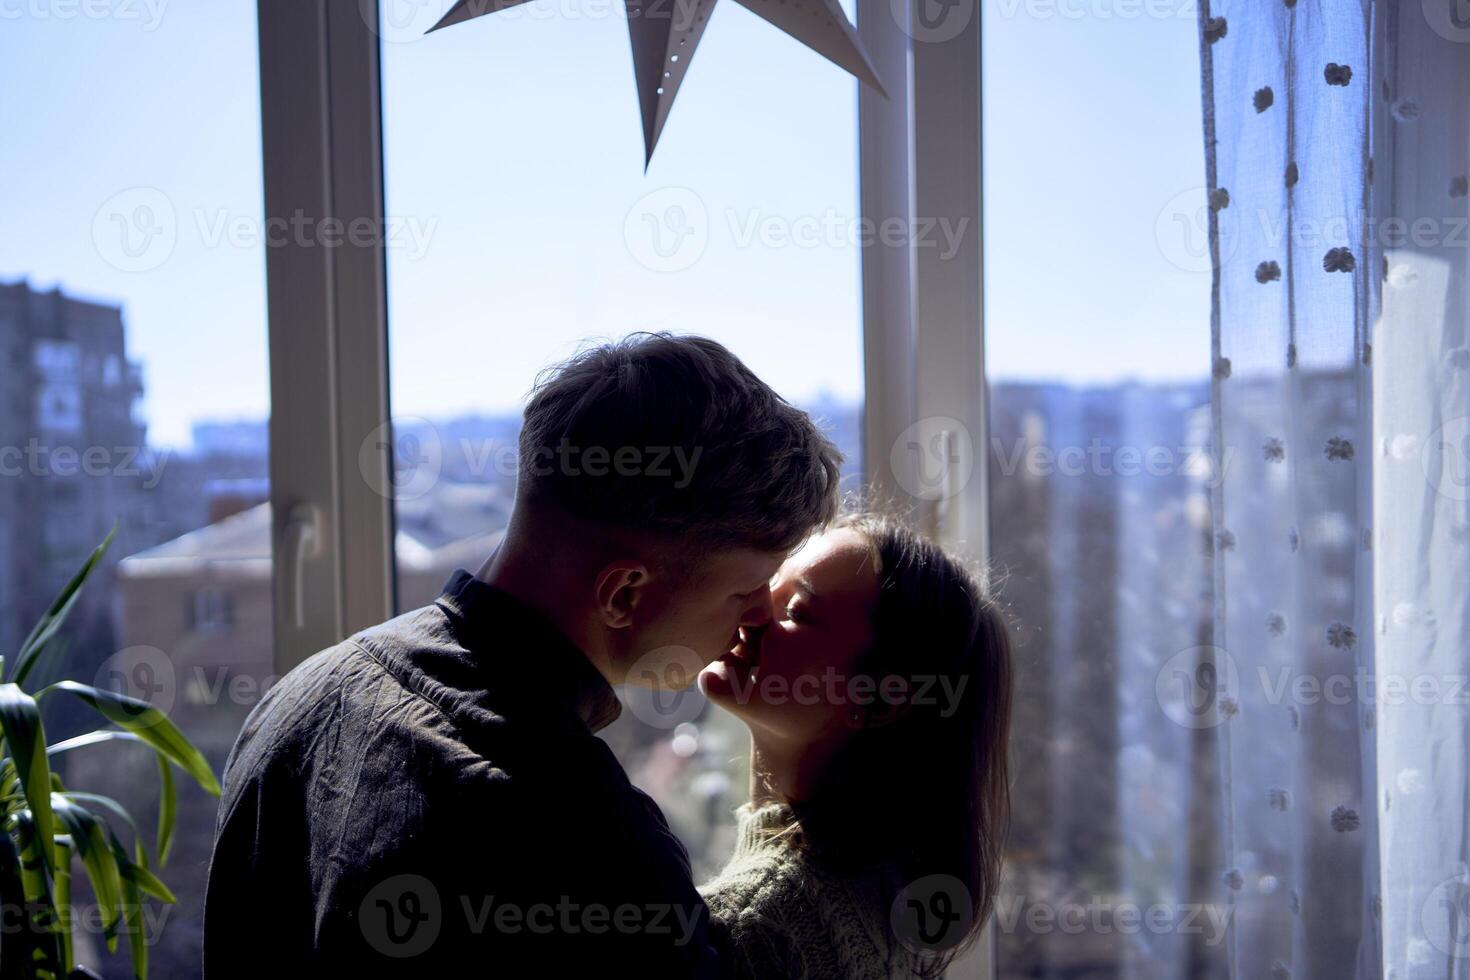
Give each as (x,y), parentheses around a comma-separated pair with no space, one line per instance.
(1097,341)
(513,145)
(134,376)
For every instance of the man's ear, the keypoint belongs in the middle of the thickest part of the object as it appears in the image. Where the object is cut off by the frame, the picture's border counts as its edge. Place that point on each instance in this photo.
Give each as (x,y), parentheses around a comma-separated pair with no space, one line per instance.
(619,589)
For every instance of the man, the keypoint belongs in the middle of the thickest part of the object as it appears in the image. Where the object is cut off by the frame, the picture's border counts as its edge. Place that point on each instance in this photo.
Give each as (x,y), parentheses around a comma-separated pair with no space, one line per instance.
(430,794)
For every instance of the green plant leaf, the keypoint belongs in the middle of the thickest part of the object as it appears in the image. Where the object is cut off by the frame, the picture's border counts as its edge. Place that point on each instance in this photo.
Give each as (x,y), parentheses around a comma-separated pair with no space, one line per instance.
(91,738)
(106,802)
(168,810)
(148,723)
(63,902)
(133,925)
(149,883)
(45,937)
(136,882)
(146,880)
(61,607)
(87,833)
(25,740)
(167,798)
(13,797)
(126,864)
(18,943)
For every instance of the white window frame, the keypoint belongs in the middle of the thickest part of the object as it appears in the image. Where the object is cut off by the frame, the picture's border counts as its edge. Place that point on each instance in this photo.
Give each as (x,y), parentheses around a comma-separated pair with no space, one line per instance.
(923,310)
(322,149)
(923,330)
(923,337)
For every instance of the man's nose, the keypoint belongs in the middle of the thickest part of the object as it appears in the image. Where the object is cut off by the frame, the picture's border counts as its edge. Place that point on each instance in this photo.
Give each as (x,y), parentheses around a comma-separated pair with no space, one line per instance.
(758,613)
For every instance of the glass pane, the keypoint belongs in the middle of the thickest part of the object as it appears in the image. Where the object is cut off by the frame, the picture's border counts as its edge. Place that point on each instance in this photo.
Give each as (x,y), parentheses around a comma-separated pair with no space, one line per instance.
(134,371)
(1097,343)
(513,146)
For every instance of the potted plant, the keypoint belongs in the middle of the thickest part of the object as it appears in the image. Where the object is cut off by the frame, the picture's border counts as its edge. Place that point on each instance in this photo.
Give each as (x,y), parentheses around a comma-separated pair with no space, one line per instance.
(50,827)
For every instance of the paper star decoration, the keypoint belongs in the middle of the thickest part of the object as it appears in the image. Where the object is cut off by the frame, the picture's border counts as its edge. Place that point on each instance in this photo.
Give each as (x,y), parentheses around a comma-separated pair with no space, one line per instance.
(665,33)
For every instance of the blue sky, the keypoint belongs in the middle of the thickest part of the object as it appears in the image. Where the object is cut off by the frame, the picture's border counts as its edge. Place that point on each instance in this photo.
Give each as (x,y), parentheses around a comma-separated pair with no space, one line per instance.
(519,208)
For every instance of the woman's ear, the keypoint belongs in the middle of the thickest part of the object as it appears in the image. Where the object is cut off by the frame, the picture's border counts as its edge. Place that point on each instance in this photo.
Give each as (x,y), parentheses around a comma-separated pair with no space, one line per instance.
(619,588)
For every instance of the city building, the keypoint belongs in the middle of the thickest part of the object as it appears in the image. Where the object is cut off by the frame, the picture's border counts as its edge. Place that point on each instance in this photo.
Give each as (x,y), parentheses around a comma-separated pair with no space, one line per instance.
(73,459)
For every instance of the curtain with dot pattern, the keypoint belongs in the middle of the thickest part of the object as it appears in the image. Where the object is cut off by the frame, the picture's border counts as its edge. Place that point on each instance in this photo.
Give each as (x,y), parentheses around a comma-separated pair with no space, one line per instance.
(1337,141)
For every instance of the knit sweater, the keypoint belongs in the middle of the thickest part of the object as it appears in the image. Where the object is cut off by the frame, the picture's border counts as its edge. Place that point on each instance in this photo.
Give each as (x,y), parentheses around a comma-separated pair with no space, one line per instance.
(789,919)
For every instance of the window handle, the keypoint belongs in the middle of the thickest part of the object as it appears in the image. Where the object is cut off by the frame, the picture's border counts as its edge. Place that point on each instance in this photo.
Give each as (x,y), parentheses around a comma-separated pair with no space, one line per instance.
(301,539)
(950,476)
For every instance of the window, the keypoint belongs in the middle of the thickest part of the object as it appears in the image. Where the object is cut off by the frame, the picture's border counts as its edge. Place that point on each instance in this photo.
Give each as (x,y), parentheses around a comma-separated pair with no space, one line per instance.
(515,228)
(132,322)
(57,360)
(542,231)
(211,611)
(1100,471)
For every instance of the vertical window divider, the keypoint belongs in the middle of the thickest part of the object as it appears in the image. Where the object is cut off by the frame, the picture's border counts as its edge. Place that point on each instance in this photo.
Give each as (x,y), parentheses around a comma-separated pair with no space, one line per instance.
(885,195)
(924,415)
(945,234)
(330,438)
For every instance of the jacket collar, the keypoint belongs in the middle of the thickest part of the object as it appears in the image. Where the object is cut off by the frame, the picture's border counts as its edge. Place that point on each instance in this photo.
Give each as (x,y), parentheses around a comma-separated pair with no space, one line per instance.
(515,642)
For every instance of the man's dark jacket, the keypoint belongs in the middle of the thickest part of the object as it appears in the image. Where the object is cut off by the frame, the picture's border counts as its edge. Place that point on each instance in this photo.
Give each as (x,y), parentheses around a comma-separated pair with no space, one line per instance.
(430,793)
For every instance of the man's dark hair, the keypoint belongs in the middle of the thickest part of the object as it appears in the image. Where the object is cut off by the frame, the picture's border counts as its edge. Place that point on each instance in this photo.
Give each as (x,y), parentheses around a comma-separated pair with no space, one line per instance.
(674,435)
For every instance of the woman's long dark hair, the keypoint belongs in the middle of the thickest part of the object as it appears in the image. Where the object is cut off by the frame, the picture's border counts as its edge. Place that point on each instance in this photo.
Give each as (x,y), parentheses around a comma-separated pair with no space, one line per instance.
(926,791)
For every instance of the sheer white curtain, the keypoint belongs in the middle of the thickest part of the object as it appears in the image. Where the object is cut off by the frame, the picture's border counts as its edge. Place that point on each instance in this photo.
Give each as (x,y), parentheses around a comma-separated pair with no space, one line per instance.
(1336,141)
(1421,393)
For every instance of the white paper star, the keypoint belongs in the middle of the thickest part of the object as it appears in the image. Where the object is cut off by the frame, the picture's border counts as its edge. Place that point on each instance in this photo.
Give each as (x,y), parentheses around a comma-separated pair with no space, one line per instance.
(664,34)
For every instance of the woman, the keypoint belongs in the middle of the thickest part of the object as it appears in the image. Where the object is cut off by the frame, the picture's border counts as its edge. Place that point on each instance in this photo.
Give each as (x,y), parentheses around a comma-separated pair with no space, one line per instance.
(878,702)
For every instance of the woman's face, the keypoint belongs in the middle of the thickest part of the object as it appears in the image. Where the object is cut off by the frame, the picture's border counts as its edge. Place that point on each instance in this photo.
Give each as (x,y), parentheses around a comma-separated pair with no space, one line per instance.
(793,678)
